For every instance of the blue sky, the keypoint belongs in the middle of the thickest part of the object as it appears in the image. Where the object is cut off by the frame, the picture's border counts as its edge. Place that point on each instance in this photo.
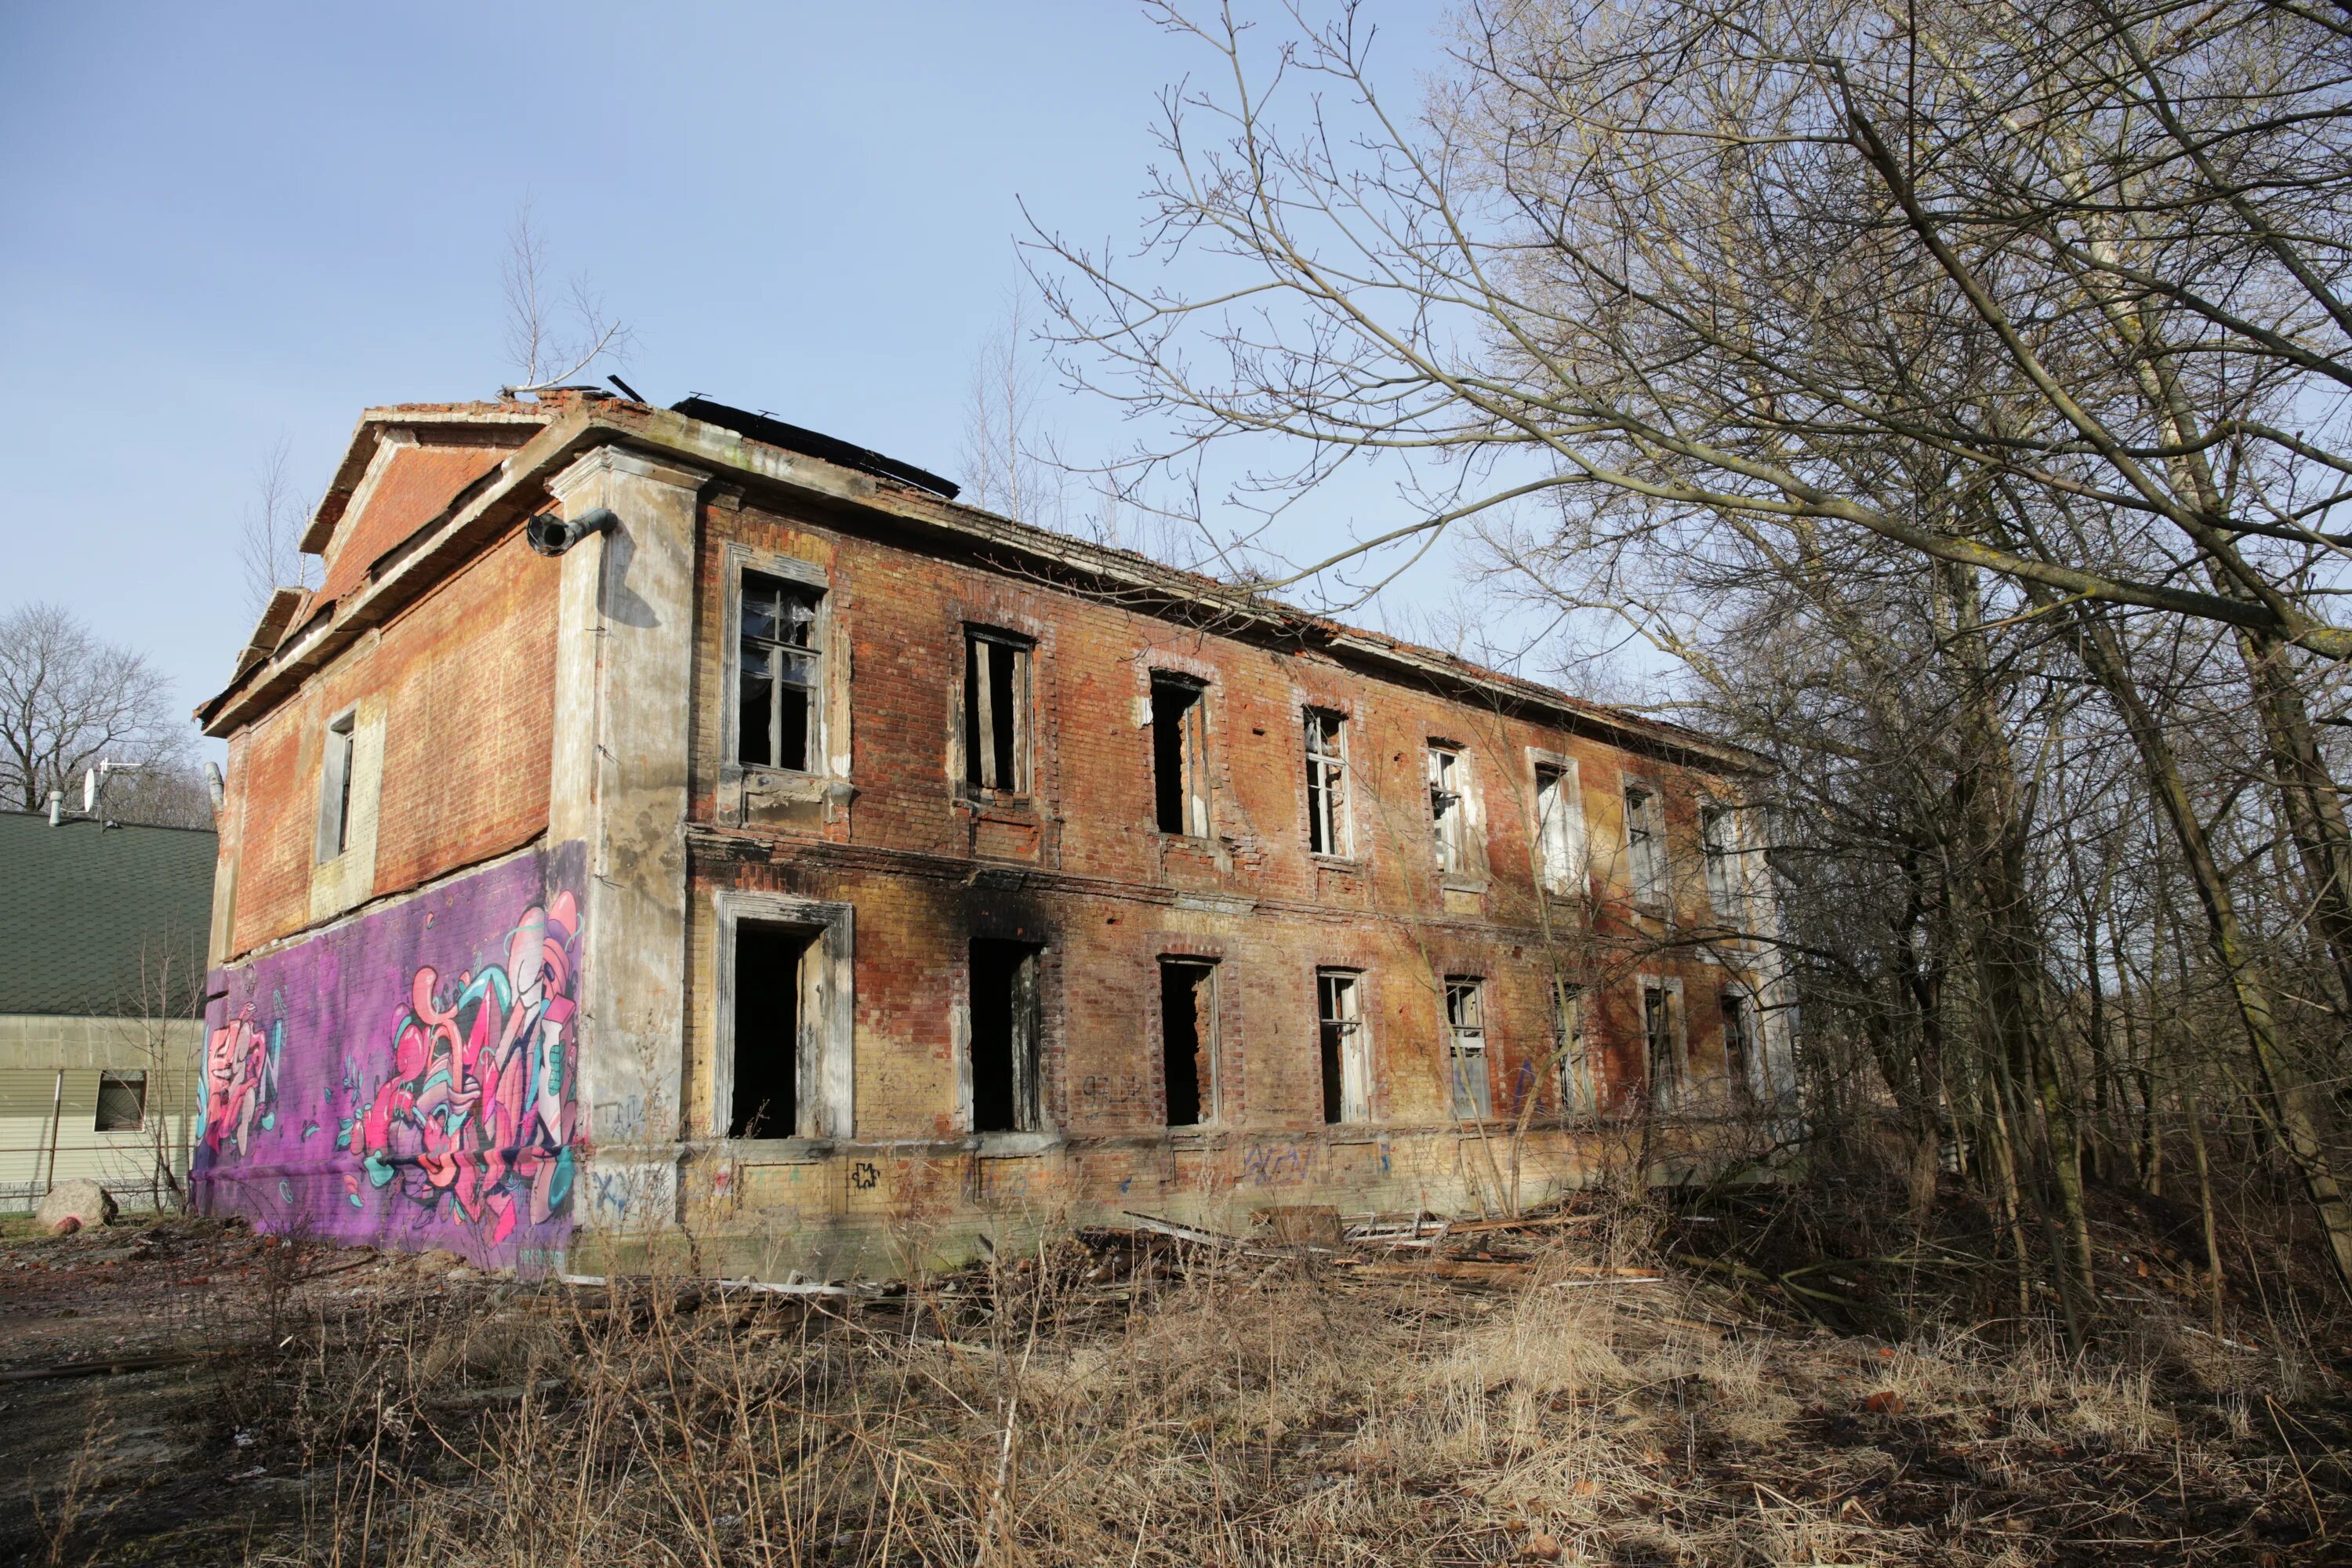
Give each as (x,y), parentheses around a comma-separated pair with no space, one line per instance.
(229,225)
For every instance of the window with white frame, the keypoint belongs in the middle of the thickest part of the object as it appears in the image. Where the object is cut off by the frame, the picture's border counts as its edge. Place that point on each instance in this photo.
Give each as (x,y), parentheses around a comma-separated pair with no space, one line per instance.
(1662,1039)
(1559,828)
(1449,807)
(1465,1047)
(1718,837)
(1645,843)
(1326,783)
(780,686)
(787,1010)
(1347,1062)
(1579,1090)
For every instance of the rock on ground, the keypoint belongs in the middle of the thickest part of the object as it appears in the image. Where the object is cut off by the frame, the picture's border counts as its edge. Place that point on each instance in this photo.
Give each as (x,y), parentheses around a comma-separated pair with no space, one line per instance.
(83,1202)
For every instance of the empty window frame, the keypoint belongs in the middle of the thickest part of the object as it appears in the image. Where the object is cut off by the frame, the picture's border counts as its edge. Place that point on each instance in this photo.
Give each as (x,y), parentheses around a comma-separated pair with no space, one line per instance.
(121,1102)
(1559,829)
(1326,783)
(1449,811)
(1718,837)
(1346,1052)
(1180,754)
(775,1028)
(1739,1045)
(780,683)
(1002,1037)
(996,711)
(1645,843)
(335,770)
(1188,1033)
(1661,1038)
(1466,1048)
(1580,1088)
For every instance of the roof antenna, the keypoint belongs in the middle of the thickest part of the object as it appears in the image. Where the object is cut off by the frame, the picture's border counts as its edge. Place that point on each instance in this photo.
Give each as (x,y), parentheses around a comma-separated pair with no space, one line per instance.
(631,393)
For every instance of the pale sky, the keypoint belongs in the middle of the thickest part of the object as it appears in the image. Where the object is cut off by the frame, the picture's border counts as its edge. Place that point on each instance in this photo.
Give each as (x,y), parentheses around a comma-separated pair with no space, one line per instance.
(226,226)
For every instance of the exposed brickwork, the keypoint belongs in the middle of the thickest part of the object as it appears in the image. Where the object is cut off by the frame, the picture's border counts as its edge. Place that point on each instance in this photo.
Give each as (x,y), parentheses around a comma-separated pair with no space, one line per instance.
(415,486)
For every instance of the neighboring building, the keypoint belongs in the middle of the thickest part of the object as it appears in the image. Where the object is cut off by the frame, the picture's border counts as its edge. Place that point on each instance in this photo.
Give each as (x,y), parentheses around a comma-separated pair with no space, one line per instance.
(101,971)
(838,873)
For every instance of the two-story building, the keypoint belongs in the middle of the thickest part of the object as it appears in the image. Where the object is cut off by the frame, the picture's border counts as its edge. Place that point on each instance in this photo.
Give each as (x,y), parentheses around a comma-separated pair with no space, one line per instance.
(670,819)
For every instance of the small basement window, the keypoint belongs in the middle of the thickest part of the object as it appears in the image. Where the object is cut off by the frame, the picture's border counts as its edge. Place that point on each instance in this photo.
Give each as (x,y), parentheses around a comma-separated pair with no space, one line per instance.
(780,687)
(1347,1070)
(775,1026)
(1002,1037)
(996,711)
(1187,1023)
(1180,754)
(121,1102)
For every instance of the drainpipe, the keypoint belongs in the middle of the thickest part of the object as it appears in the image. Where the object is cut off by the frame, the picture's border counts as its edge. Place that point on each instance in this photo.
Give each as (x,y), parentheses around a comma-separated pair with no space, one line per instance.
(57,1111)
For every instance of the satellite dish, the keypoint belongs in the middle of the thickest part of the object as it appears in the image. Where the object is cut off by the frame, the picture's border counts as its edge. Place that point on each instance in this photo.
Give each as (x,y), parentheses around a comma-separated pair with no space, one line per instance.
(90,792)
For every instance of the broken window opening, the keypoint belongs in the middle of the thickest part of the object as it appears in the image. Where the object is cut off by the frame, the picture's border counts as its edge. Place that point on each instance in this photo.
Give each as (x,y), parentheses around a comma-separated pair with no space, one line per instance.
(1578,1088)
(1645,844)
(1447,809)
(335,785)
(772,1022)
(1559,829)
(1718,841)
(1187,1023)
(121,1102)
(1002,1037)
(778,686)
(1347,1072)
(1466,1048)
(996,712)
(1662,1034)
(1180,754)
(1739,1046)
(1326,783)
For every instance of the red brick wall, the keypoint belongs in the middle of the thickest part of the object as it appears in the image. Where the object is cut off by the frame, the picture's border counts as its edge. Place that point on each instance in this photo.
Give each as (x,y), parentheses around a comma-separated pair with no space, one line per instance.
(467,675)
(1111,880)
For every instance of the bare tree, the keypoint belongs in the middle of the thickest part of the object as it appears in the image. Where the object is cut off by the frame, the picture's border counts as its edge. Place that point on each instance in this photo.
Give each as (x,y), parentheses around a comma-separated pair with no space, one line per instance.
(553,333)
(70,700)
(270,547)
(1007,465)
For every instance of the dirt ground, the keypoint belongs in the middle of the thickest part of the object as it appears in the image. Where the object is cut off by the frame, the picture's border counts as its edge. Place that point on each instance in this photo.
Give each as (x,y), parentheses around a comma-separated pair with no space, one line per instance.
(174,1390)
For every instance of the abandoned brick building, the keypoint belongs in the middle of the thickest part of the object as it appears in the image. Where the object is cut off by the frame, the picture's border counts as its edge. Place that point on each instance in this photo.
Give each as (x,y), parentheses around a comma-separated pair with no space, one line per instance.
(668,819)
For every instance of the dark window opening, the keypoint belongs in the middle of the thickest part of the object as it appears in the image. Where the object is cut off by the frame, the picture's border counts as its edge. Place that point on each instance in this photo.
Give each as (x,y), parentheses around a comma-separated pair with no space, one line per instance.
(1187,1023)
(779,688)
(1003,1037)
(1180,746)
(121,1102)
(770,1028)
(1739,1046)
(995,713)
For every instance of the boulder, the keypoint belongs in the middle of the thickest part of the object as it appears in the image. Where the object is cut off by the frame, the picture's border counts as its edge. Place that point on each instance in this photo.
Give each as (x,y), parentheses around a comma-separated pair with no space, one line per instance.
(85,1203)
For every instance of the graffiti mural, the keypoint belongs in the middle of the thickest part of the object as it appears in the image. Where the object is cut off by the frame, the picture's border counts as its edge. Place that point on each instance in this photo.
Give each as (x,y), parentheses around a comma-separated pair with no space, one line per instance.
(438,1040)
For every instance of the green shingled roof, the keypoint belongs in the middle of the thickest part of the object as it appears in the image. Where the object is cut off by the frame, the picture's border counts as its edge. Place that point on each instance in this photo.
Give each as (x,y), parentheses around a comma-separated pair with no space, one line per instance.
(89,919)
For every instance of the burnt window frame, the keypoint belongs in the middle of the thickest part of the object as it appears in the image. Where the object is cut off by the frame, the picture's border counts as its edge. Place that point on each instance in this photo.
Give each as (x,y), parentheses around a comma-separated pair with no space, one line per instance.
(1352,1047)
(122,1077)
(1323,734)
(1193,791)
(1470,1101)
(826,1051)
(975,698)
(777,654)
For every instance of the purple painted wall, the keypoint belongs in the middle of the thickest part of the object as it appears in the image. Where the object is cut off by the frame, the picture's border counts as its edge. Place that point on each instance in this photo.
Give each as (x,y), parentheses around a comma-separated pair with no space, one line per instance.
(405,1080)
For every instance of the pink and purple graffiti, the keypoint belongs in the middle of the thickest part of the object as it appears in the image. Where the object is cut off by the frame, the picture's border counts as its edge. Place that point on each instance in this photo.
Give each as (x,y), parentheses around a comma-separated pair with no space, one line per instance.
(474,1118)
(240,1082)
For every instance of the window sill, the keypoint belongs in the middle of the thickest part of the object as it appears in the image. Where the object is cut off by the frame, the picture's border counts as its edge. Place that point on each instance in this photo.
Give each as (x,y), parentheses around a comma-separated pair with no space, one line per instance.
(790,783)
(1348,863)
(780,1151)
(1458,882)
(991,803)
(1011,1145)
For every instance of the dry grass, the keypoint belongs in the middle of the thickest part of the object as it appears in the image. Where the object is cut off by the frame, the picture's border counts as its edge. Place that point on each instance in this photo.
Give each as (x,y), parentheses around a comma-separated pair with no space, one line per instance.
(1158,1406)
